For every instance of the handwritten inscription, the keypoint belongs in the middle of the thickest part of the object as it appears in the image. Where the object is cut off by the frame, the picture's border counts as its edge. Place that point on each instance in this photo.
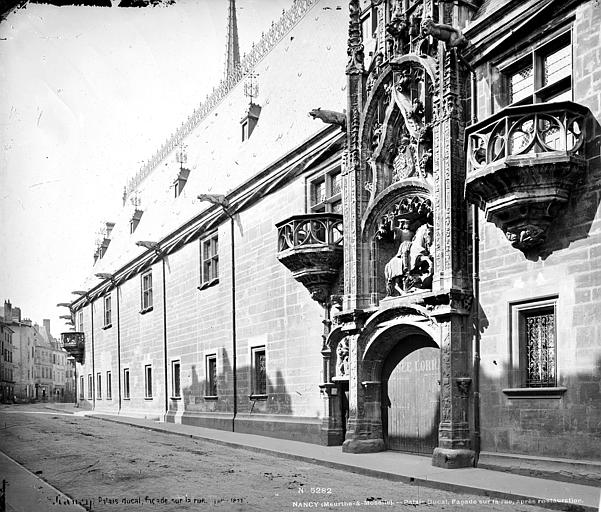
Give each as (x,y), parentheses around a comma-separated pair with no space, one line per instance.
(151,501)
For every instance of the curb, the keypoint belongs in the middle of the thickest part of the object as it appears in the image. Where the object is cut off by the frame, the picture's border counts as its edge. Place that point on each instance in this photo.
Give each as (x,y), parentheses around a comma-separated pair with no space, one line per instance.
(424,482)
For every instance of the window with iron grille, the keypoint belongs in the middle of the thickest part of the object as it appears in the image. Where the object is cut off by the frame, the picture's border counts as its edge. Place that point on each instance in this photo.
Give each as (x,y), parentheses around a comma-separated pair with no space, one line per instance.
(211,369)
(543,74)
(146,291)
(126,384)
(209,255)
(259,371)
(534,343)
(325,192)
(175,379)
(148,381)
(107,311)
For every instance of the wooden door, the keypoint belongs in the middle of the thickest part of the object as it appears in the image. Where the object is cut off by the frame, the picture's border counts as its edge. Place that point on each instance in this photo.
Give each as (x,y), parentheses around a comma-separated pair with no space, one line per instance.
(413,407)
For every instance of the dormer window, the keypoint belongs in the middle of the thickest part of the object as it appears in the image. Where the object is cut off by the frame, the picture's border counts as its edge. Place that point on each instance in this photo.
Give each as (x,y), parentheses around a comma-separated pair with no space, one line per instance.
(102,243)
(135,220)
(180,181)
(249,121)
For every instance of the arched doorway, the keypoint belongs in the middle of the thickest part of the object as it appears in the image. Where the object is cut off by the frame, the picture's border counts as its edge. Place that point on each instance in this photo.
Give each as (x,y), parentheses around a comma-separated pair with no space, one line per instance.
(411,395)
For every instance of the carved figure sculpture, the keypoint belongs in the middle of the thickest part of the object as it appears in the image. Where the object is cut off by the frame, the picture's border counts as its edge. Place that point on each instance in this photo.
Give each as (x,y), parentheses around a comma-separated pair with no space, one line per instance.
(412,265)
(329,117)
(342,353)
(451,36)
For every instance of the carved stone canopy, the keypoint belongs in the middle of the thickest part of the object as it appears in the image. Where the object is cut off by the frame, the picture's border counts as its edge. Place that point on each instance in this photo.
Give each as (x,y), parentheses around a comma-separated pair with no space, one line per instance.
(523,163)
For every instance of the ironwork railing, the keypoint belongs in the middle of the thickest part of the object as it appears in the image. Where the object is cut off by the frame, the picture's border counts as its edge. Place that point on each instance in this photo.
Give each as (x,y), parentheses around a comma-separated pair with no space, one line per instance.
(268,40)
(526,130)
(321,229)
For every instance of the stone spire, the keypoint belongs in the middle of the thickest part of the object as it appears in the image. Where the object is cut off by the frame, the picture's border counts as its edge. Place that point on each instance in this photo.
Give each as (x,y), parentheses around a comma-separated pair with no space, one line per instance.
(232,48)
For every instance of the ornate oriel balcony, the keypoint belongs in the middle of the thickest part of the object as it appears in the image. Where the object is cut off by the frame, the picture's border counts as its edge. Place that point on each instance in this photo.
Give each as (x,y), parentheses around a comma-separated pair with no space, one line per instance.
(523,162)
(310,246)
(74,344)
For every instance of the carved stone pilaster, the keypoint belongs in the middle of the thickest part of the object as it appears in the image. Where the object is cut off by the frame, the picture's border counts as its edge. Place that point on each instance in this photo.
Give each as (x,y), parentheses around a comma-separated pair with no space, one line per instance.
(364,426)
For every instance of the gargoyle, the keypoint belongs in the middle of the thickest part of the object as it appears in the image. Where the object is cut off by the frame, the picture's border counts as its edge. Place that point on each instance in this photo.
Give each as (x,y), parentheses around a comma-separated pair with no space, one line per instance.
(329,117)
(451,36)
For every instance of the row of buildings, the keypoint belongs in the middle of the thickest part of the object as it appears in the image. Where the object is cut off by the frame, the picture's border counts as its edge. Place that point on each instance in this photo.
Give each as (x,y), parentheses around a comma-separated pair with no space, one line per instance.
(420,273)
(34,365)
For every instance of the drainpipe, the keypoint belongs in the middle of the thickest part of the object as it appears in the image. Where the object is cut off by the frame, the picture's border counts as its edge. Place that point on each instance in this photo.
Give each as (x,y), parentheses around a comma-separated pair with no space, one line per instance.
(165,340)
(234,350)
(221,200)
(93,366)
(476,298)
(118,349)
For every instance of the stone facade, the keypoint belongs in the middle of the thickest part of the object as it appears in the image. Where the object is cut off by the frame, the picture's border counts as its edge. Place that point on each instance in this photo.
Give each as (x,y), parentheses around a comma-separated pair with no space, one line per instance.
(464,175)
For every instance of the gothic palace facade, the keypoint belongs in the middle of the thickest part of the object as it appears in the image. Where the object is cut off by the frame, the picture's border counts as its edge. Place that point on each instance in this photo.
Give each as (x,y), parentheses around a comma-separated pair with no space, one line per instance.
(380,231)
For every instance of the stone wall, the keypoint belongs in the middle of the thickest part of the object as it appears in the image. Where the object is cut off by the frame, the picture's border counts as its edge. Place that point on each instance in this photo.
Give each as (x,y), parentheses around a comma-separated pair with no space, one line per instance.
(568,267)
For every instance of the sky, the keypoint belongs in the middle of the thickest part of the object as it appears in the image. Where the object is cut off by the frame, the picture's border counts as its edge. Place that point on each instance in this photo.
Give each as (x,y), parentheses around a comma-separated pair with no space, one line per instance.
(87,94)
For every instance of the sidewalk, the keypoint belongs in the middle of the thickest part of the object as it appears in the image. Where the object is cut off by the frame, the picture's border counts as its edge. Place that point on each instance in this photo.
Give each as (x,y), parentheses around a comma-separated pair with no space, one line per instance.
(398,467)
(26,492)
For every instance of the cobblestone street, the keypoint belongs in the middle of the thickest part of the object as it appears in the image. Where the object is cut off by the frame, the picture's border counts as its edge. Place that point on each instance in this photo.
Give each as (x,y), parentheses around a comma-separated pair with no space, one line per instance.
(111,467)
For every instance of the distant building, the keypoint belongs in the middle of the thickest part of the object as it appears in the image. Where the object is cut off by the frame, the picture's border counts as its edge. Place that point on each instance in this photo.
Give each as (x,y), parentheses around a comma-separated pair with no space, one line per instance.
(7,368)
(39,363)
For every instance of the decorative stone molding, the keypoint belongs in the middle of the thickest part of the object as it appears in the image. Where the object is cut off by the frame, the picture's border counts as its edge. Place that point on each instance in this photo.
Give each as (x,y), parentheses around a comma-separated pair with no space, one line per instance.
(523,163)
(74,343)
(310,246)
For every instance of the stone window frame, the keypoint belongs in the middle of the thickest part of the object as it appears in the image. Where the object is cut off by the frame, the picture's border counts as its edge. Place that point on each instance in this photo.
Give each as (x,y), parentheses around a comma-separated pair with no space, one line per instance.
(146,299)
(109,386)
(148,382)
(533,55)
(80,320)
(258,389)
(326,177)
(81,387)
(211,382)
(209,260)
(98,385)
(126,384)
(176,383)
(518,312)
(107,313)
(90,386)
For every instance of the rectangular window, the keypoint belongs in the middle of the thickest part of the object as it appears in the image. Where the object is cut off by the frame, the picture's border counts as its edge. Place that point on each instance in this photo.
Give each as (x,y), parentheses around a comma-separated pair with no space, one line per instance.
(325,192)
(544,74)
(148,381)
(90,383)
(81,392)
(209,254)
(534,343)
(98,386)
(107,311)
(175,379)
(80,321)
(211,373)
(259,373)
(109,386)
(126,383)
(146,291)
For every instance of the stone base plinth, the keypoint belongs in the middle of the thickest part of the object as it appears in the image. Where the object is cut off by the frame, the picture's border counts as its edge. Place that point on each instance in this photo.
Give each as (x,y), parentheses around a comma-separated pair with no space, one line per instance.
(452,459)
